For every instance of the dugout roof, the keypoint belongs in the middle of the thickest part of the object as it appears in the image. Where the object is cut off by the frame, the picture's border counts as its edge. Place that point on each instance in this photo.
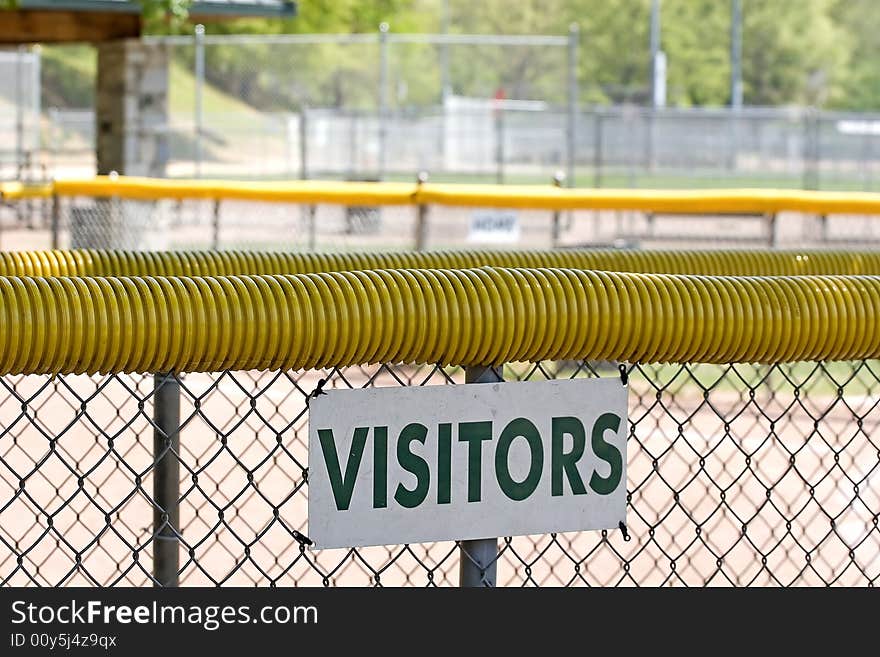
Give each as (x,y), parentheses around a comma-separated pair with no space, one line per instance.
(64,21)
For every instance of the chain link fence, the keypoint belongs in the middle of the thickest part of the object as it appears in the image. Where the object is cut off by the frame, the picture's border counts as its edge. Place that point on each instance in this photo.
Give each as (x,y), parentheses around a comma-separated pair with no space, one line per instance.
(87,222)
(737,475)
(20,118)
(482,108)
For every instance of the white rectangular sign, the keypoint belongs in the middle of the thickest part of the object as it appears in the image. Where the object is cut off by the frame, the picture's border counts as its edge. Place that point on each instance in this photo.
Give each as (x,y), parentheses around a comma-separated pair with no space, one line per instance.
(434,463)
(494,226)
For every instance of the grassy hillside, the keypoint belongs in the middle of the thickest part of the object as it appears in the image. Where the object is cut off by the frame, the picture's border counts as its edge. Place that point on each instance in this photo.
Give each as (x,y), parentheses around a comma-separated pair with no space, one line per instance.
(68,74)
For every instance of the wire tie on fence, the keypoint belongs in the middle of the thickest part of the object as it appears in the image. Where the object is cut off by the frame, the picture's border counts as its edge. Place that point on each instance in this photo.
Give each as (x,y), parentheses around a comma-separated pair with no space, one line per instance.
(319,390)
(623,530)
(624,376)
(301,538)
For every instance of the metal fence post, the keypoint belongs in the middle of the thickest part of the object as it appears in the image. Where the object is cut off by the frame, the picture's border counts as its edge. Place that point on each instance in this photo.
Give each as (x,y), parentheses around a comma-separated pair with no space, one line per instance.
(571,132)
(421,240)
(56,220)
(19,111)
(199,36)
(556,228)
(771,229)
(597,148)
(383,96)
(811,149)
(303,145)
(166,479)
(478,558)
(215,225)
(499,144)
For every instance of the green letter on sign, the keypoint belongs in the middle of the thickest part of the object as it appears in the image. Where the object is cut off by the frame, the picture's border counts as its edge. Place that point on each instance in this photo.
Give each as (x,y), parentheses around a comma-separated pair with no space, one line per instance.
(444,463)
(380,467)
(414,464)
(343,485)
(474,433)
(519,490)
(560,461)
(608,453)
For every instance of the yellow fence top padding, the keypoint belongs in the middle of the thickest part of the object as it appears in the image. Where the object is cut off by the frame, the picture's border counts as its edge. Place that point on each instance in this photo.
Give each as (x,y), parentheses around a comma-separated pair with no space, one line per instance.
(728,262)
(16,191)
(710,201)
(309,191)
(484,316)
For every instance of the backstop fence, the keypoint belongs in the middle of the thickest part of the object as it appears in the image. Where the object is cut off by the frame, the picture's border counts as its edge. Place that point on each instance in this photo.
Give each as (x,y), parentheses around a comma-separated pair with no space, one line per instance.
(157,214)
(153,428)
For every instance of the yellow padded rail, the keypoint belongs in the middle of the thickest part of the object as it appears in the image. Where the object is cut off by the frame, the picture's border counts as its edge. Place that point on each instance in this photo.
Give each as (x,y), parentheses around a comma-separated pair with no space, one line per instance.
(548,197)
(734,262)
(466,317)
(16,191)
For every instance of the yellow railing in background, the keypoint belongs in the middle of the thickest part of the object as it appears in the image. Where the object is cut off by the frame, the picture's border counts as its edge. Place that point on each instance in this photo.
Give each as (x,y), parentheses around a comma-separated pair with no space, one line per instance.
(717,201)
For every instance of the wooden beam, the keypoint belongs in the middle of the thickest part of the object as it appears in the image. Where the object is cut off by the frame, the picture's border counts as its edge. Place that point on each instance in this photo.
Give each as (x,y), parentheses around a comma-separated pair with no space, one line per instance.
(34,26)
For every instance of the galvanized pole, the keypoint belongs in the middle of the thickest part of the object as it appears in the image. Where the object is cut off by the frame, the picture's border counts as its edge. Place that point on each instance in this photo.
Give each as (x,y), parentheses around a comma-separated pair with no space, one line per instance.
(199,37)
(383,97)
(309,210)
(215,225)
(19,111)
(303,144)
(166,479)
(445,87)
(658,86)
(556,228)
(56,220)
(445,84)
(571,132)
(421,240)
(655,46)
(478,558)
(499,143)
(736,91)
(735,81)
(36,59)
(597,148)
(313,227)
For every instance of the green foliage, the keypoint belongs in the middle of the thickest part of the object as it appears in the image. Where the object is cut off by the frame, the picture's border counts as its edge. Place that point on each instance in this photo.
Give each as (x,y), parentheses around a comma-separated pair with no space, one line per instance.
(165,16)
(809,52)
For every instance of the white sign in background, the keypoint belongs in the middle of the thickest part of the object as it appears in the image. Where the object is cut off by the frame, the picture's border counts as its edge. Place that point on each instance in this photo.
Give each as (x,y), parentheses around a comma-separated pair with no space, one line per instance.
(407,484)
(494,227)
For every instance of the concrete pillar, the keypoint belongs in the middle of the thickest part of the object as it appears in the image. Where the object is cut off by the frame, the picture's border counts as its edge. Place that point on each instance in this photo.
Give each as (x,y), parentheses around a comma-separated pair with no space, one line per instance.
(131,115)
(131,103)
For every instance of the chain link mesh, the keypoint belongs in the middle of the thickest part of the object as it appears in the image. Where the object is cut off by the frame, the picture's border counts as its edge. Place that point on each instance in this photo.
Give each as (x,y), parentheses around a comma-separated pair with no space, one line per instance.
(233,224)
(737,475)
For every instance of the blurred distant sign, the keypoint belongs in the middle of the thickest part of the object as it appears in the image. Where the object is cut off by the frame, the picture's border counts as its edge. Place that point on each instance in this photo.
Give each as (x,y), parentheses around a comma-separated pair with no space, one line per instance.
(494,226)
(858,127)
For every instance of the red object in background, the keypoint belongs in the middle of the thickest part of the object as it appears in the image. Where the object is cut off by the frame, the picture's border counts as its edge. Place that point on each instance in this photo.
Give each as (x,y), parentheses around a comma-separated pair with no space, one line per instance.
(497,98)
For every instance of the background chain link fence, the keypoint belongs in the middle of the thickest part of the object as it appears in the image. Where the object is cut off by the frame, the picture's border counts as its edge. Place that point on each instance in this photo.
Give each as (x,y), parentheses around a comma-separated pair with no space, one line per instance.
(480,108)
(737,475)
(234,224)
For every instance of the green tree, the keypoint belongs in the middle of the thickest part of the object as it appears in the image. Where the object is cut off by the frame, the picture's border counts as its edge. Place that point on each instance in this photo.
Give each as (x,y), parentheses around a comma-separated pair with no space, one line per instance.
(859,22)
(793,52)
